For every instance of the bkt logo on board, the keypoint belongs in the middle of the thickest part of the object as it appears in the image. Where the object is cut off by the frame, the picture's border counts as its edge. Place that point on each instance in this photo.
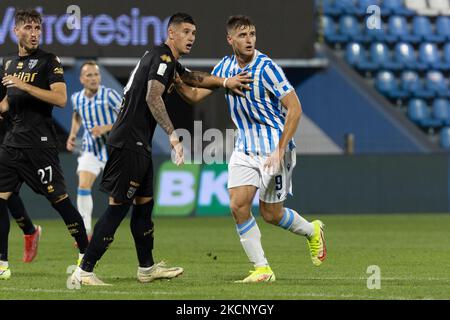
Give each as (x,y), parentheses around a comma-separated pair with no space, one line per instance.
(75,27)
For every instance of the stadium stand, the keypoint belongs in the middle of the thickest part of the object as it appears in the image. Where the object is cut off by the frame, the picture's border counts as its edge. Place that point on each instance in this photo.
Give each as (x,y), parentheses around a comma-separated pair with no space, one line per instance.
(406,59)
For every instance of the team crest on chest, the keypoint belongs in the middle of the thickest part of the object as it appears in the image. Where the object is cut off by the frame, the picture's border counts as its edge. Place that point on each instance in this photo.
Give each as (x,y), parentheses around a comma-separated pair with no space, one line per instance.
(32,63)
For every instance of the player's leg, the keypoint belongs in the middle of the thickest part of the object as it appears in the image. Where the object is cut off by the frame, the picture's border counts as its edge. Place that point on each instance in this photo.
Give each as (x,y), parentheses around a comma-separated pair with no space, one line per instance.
(42,172)
(20,214)
(85,203)
(88,169)
(142,229)
(121,179)
(273,192)
(9,180)
(243,181)
(31,232)
(5,272)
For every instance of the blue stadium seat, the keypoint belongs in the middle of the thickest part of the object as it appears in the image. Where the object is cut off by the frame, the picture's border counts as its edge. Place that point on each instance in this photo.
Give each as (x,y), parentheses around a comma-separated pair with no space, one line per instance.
(445,138)
(398,26)
(406,55)
(339,7)
(446,53)
(429,54)
(419,113)
(436,82)
(355,55)
(362,5)
(380,34)
(386,83)
(422,27)
(441,110)
(411,83)
(329,29)
(395,7)
(443,26)
(350,26)
(380,55)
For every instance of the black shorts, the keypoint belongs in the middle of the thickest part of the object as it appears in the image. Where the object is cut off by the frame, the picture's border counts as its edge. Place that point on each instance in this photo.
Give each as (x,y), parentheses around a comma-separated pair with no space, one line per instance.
(38,168)
(127,175)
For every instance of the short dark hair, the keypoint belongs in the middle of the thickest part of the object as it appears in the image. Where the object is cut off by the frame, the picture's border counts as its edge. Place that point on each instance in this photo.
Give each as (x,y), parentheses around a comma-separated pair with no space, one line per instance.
(23,16)
(238,21)
(88,63)
(180,17)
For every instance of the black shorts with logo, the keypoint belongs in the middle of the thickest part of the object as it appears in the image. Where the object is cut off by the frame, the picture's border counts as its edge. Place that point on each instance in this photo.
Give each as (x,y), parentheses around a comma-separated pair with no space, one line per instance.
(38,168)
(127,175)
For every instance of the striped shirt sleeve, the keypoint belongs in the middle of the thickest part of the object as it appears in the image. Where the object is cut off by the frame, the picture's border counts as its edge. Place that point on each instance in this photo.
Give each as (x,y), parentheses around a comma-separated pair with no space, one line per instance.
(114,100)
(73,98)
(217,70)
(275,81)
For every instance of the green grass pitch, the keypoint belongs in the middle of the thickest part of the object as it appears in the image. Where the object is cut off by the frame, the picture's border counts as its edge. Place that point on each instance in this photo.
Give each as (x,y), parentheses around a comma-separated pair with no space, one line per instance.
(412,251)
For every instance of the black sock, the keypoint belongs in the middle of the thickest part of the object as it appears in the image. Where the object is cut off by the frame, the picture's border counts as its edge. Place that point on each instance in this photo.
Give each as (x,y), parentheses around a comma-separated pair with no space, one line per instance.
(103,235)
(73,221)
(4,230)
(142,229)
(19,213)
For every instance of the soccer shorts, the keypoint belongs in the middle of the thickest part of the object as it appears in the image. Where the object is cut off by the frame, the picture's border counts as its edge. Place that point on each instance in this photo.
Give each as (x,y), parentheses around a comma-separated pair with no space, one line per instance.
(245,169)
(127,175)
(38,168)
(89,162)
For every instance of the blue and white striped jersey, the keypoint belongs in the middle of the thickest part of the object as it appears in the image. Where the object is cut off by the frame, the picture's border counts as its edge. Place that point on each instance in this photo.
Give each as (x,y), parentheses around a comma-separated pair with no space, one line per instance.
(102,109)
(260,116)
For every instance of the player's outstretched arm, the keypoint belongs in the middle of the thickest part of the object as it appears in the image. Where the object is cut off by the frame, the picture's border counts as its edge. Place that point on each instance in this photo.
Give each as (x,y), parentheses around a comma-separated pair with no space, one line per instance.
(75,127)
(155,102)
(207,81)
(57,95)
(190,94)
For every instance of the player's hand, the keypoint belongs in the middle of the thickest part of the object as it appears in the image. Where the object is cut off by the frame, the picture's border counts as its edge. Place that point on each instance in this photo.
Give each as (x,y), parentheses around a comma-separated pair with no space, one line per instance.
(70,145)
(272,165)
(13,82)
(97,131)
(239,83)
(177,152)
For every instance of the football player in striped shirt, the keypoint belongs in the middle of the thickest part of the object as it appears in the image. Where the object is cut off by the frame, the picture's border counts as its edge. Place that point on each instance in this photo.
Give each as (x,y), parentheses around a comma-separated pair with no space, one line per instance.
(264,155)
(95,108)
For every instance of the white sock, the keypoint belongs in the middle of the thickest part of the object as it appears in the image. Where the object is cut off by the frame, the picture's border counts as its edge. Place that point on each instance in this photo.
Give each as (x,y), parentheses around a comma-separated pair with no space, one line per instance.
(293,222)
(4,264)
(251,242)
(85,206)
(80,256)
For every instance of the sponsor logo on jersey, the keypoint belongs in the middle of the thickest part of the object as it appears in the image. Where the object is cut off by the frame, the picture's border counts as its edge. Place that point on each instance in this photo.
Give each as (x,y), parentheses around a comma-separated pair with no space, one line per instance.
(19,65)
(26,76)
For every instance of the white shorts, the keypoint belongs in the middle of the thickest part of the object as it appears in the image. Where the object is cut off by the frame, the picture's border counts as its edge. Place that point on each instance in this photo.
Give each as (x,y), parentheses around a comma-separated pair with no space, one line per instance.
(89,162)
(244,170)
